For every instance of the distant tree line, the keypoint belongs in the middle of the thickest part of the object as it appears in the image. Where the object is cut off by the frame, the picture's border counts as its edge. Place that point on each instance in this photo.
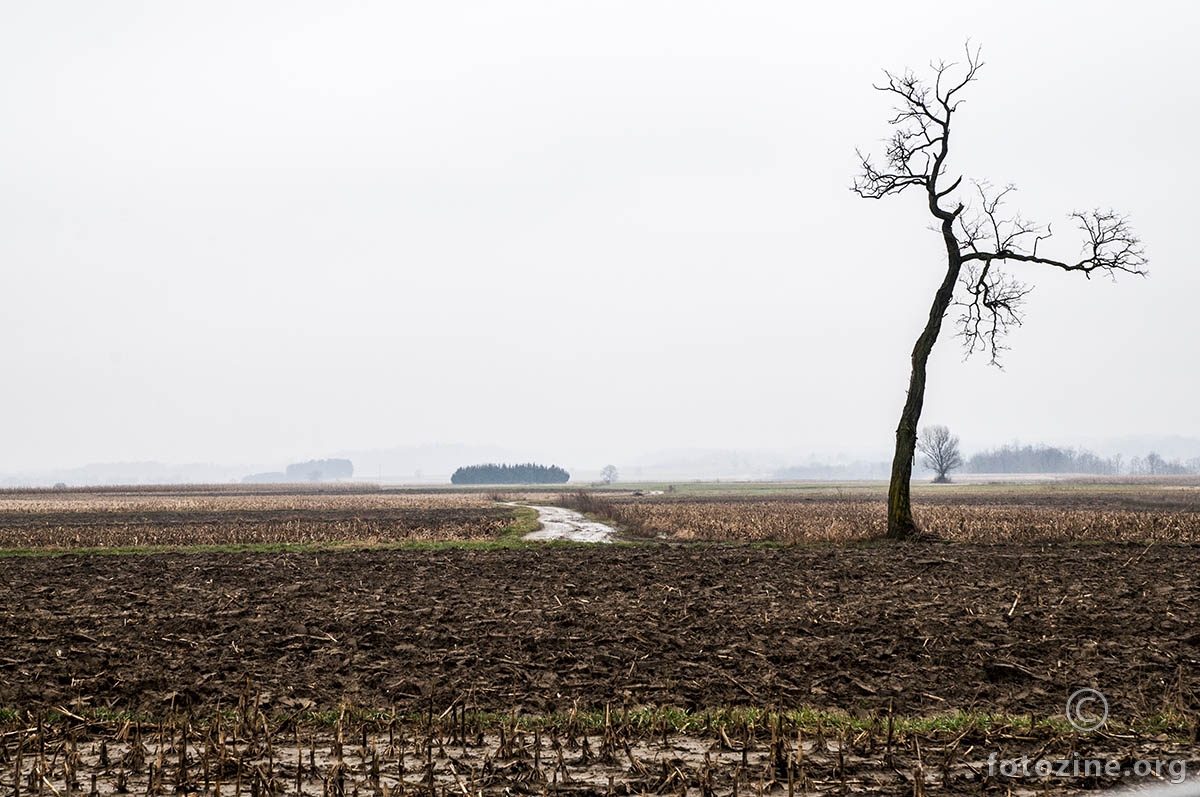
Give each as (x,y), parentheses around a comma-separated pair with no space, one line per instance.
(1041,459)
(1154,465)
(527,473)
(315,470)
(1051,459)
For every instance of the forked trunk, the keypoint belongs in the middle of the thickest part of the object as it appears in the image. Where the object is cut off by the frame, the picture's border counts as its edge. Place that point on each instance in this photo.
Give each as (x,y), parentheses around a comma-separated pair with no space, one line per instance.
(900,520)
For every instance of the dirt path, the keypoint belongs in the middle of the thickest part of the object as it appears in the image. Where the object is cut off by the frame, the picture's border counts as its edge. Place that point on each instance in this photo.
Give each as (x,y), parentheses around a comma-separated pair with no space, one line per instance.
(566,524)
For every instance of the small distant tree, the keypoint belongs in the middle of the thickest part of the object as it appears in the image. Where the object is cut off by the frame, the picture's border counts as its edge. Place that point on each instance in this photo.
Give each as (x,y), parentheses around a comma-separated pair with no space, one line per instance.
(941,451)
(609,474)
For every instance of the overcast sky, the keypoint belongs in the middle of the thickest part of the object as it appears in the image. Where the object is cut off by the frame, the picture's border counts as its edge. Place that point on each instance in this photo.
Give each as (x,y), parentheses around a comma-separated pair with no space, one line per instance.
(258,231)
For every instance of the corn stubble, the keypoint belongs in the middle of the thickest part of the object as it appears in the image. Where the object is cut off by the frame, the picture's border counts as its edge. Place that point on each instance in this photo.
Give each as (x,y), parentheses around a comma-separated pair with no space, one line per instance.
(459,751)
(791,521)
(144,500)
(138,519)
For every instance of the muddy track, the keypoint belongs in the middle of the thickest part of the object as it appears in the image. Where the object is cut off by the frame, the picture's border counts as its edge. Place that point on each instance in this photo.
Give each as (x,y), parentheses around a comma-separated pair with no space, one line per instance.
(558,523)
(933,628)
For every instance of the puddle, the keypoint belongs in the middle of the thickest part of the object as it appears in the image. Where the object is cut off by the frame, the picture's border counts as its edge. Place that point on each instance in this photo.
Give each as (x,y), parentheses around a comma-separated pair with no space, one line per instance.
(520,762)
(567,524)
(390,764)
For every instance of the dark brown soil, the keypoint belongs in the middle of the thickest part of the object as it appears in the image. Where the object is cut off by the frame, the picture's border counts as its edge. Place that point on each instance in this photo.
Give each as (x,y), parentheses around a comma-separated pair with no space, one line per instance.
(936,628)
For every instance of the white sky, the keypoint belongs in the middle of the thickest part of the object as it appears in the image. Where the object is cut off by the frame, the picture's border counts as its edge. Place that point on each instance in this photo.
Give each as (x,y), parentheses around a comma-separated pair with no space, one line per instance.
(256,231)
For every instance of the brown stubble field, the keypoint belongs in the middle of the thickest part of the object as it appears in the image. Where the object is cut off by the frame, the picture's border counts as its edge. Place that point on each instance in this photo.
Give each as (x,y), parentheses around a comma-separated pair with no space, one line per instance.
(226,516)
(659,666)
(1166,511)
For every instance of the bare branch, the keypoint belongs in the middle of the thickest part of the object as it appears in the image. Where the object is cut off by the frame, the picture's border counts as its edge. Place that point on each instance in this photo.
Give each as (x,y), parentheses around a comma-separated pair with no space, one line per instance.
(989,238)
(916,151)
(993,306)
(973,65)
(876,183)
(1111,244)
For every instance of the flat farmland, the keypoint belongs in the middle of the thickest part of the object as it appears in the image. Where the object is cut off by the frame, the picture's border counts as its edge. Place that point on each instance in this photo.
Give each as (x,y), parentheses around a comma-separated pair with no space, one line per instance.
(1006,629)
(114,519)
(665,664)
(1088,511)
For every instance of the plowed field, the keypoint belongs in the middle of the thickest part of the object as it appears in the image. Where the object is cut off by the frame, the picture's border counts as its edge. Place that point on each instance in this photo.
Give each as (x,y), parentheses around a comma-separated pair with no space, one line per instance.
(934,627)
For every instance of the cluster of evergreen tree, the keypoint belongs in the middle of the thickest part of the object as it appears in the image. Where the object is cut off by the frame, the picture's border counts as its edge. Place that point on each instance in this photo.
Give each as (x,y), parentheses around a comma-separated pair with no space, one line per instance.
(528,473)
(1041,459)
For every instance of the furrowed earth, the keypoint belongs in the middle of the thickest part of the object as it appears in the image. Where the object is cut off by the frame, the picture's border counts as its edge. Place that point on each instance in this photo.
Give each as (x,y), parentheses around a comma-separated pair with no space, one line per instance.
(727,649)
(1004,629)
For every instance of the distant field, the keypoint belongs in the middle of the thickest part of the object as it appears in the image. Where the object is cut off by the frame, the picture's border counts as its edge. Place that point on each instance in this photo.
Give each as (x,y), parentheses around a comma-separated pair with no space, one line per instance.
(135,518)
(1093,510)
(1179,492)
(1109,510)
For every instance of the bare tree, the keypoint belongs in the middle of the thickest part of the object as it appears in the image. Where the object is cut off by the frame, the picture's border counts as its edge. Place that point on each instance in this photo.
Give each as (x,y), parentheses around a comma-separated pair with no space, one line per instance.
(609,474)
(941,451)
(980,243)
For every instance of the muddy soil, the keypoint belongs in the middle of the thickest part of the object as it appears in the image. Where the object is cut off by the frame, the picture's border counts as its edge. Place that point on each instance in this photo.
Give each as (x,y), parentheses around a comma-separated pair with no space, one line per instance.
(929,629)
(600,762)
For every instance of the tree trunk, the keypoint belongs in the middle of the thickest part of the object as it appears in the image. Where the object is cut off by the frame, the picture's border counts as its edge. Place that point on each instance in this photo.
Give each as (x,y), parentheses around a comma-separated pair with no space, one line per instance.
(900,521)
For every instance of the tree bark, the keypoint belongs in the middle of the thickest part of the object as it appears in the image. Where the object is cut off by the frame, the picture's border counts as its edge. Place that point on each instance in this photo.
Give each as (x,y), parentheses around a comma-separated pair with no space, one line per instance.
(901,525)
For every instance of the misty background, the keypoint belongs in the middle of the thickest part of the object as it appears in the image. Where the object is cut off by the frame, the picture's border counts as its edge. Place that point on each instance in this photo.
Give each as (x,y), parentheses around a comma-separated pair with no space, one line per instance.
(422,235)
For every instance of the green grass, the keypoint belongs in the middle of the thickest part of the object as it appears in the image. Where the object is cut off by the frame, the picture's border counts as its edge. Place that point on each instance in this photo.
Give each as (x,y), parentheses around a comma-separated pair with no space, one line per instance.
(525,520)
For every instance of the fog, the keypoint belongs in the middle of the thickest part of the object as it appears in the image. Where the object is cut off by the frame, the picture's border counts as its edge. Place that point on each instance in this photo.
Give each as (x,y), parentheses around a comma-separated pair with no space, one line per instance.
(584,232)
